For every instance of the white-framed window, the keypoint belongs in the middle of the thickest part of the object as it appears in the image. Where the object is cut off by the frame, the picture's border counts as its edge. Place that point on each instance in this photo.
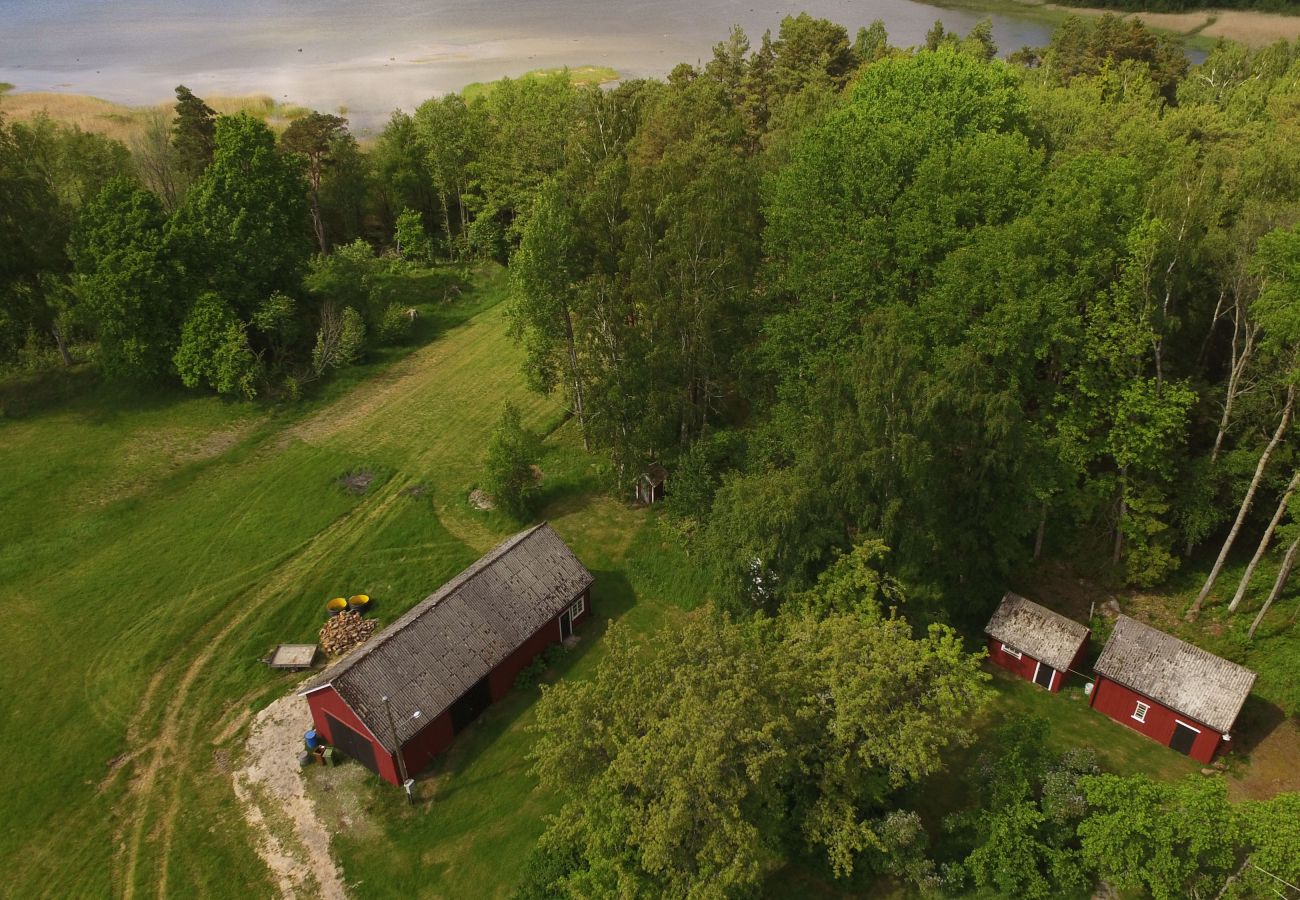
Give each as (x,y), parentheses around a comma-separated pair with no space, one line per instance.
(1140,711)
(579,606)
(1011,651)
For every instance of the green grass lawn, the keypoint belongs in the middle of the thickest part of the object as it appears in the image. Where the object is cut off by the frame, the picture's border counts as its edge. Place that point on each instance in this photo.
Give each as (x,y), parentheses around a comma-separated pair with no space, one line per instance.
(156,544)
(578,75)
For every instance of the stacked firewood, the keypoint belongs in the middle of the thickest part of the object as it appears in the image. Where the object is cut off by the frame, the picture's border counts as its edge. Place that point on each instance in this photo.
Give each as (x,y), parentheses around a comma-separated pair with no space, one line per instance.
(343,632)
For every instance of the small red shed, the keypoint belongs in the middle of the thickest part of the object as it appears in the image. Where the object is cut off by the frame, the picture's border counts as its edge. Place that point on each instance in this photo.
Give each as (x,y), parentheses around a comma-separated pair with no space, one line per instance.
(1171,691)
(429,674)
(1037,644)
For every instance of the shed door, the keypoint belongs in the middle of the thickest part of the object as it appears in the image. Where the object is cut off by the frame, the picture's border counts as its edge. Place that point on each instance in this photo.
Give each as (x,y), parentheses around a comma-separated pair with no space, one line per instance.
(566,625)
(1043,675)
(473,702)
(1183,738)
(353,744)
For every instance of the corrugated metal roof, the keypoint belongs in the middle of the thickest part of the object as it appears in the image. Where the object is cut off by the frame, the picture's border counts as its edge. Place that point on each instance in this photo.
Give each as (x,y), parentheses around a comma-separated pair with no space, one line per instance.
(438,650)
(1045,635)
(1181,676)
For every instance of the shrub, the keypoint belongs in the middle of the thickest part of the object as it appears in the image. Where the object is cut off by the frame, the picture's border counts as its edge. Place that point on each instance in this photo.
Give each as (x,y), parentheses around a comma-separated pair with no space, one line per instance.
(394,324)
(508,475)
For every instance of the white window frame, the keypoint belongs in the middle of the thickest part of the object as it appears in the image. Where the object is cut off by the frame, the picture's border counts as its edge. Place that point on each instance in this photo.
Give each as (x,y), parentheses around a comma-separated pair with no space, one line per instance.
(578,608)
(1140,711)
(1010,651)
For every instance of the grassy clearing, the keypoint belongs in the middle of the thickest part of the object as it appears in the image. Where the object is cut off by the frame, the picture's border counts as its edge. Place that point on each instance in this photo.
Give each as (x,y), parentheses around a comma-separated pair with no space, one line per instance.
(479,809)
(578,75)
(127,123)
(150,566)
(157,544)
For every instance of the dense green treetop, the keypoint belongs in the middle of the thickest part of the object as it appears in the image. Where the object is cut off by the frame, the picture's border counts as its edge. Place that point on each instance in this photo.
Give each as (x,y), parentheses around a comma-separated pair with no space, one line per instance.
(243,228)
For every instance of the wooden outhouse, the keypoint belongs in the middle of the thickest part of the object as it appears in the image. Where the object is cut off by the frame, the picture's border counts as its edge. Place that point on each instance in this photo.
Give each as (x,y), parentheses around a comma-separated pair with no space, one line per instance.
(429,674)
(652,485)
(1171,691)
(1036,643)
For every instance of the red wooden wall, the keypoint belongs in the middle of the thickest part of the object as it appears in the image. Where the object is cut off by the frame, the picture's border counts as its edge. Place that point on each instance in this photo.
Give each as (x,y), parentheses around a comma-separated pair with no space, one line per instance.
(435,737)
(327,700)
(1119,702)
(502,678)
(1027,665)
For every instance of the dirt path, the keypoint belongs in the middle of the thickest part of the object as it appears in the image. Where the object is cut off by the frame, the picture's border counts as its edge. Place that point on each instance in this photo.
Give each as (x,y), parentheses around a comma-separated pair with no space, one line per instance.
(297,851)
(157,781)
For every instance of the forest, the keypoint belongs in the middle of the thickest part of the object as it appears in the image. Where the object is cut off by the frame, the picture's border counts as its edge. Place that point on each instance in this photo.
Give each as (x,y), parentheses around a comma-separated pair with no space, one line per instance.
(898,321)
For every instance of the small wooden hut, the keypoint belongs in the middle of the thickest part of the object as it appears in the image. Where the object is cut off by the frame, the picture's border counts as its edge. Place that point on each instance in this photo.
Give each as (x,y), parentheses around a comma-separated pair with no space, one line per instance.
(652,485)
(1037,644)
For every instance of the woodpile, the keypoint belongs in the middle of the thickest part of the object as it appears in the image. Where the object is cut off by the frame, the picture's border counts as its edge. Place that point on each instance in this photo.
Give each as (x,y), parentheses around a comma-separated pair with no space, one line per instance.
(343,632)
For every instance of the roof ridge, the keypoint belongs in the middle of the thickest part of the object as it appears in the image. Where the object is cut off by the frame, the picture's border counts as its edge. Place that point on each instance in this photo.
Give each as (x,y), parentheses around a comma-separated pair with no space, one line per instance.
(1062,617)
(394,628)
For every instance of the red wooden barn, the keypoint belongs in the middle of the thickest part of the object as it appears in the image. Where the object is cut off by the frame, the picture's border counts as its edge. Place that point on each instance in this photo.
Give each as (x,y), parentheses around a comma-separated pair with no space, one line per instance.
(451,655)
(1180,695)
(1037,644)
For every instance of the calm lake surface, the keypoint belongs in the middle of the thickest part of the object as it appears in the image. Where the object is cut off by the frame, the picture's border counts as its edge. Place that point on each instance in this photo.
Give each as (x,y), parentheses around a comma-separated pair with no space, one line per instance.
(372,57)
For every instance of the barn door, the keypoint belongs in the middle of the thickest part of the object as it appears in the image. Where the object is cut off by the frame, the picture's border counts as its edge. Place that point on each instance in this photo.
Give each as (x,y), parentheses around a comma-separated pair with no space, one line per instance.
(1043,675)
(566,625)
(353,744)
(473,702)
(1184,737)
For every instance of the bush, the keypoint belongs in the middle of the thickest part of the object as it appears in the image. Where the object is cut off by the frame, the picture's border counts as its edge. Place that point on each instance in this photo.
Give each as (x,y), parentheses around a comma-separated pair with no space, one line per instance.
(394,324)
(508,475)
(339,341)
(413,243)
(214,350)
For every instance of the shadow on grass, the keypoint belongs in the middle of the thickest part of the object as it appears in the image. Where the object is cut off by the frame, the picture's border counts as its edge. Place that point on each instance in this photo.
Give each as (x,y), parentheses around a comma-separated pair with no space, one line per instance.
(1258,720)
(612,596)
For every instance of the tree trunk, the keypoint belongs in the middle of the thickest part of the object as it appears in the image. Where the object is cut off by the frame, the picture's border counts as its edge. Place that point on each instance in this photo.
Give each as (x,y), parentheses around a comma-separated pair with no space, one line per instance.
(316,222)
(61,343)
(1245,505)
(1243,344)
(1119,532)
(1042,529)
(578,406)
(1263,542)
(446,219)
(1282,575)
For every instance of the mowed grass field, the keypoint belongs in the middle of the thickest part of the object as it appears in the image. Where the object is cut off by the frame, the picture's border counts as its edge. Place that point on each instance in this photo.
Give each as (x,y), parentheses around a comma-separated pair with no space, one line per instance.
(153,549)
(155,545)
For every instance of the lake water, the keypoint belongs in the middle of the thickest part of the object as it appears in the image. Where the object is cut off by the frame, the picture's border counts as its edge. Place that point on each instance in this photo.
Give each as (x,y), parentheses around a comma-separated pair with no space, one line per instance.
(371,57)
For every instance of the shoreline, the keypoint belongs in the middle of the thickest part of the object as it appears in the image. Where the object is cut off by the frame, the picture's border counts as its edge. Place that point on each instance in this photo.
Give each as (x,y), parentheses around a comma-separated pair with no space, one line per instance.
(1199,30)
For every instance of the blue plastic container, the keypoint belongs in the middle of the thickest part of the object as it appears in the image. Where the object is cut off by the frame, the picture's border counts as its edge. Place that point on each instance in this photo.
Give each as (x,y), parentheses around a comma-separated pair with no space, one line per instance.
(312,739)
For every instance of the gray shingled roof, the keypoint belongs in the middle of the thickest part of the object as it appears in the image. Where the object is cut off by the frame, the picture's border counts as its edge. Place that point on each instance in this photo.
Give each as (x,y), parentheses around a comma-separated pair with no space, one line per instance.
(1036,630)
(430,656)
(1184,678)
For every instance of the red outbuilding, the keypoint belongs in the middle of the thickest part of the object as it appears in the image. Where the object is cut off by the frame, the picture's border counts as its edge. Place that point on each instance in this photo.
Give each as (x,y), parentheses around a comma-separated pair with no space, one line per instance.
(1180,695)
(425,677)
(1037,644)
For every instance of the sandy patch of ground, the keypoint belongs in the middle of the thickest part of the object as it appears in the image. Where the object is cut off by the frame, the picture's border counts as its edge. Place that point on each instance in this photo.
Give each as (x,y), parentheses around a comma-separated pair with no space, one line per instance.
(1272,768)
(294,842)
(1254,29)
